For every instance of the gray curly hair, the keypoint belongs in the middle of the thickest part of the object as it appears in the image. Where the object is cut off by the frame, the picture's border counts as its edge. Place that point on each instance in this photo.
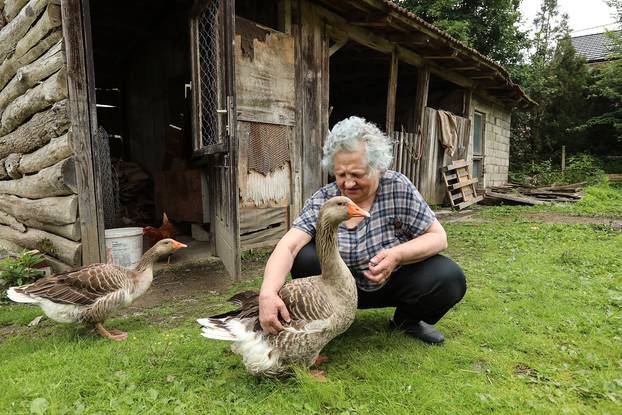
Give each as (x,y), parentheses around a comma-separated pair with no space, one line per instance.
(348,133)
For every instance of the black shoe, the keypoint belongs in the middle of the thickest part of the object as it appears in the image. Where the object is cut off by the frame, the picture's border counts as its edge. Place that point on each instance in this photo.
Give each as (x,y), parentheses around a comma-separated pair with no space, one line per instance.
(420,330)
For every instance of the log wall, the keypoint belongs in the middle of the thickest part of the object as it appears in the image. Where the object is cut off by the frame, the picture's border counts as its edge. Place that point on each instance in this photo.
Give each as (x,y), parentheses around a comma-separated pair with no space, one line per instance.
(38,201)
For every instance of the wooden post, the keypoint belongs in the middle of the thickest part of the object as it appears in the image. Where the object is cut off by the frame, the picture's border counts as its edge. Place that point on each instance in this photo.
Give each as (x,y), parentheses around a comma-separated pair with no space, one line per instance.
(421,99)
(563,158)
(80,83)
(391,93)
(310,68)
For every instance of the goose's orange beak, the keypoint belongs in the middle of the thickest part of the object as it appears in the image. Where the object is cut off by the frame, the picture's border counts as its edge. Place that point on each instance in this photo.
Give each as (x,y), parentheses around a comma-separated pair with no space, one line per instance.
(178,245)
(354,210)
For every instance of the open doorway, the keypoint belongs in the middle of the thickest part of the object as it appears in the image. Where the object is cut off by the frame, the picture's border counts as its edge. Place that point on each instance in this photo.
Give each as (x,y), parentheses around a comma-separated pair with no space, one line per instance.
(359,77)
(141,54)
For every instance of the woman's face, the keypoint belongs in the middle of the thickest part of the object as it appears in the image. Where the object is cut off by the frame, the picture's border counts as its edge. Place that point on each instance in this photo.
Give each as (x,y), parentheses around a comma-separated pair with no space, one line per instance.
(351,175)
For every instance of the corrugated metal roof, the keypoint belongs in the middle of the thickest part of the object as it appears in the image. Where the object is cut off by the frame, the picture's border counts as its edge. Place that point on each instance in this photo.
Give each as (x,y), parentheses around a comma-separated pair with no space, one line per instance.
(595,47)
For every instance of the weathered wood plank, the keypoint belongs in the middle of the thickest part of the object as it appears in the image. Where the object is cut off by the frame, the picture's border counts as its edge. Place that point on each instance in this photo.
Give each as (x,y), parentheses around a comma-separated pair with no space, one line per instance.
(311,76)
(256,219)
(264,74)
(77,35)
(392,93)
(263,238)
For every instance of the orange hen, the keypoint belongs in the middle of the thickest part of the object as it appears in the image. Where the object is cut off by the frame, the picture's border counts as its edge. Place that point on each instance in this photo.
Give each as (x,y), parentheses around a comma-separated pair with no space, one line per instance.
(165,231)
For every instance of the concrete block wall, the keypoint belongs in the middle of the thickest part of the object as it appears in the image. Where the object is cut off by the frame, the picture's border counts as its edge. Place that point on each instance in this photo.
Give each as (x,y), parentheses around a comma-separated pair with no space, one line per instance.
(496,140)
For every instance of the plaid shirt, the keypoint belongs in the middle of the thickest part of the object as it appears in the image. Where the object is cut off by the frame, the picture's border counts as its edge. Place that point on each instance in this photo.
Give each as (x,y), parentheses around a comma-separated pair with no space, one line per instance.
(398,215)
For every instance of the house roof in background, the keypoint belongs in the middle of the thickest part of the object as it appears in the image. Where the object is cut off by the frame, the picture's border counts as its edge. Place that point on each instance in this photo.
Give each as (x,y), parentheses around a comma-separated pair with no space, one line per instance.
(595,47)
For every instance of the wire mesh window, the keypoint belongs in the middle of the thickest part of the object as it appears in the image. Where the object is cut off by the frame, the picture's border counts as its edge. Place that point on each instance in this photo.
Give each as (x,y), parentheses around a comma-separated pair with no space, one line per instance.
(209,37)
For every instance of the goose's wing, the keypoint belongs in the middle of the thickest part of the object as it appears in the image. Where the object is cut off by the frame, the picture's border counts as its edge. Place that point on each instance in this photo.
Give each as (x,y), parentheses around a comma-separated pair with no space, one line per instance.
(307,303)
(83,286)
(304,299)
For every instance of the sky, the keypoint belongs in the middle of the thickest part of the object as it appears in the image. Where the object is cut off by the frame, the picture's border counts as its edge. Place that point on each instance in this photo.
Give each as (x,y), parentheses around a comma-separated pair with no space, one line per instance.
(583,14)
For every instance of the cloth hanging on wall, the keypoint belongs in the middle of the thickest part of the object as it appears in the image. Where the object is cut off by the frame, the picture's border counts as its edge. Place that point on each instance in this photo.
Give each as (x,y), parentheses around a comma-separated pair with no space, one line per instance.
(448,133)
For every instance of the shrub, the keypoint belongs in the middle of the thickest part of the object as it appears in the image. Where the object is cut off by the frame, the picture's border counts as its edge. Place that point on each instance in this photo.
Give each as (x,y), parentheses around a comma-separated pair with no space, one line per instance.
(20,270)
(580,168)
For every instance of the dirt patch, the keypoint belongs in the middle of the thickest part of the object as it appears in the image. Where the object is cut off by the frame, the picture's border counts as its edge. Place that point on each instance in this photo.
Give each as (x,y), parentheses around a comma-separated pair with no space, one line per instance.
(549,217)
(180,282)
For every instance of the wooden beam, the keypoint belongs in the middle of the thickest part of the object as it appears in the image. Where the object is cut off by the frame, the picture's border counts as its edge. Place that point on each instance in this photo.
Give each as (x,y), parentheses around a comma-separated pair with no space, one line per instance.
(338,27)
(467,102)
(421,97)
(80,82)
(453,55)
(337,45)
(391,93)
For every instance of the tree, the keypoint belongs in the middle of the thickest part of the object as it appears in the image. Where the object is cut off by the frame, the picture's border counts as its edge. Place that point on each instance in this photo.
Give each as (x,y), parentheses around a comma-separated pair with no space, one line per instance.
(489,26)
(605,123)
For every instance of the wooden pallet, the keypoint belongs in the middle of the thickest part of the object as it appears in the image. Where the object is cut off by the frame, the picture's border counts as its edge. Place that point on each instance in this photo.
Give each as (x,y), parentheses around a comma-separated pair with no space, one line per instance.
(460,186)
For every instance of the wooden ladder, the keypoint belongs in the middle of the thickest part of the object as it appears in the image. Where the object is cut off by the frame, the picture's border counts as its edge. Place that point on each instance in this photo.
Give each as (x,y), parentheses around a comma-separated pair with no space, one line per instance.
(460,185)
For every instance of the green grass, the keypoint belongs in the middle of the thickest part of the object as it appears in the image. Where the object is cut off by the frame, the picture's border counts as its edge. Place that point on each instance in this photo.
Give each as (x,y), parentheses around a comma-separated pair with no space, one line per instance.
(539,331)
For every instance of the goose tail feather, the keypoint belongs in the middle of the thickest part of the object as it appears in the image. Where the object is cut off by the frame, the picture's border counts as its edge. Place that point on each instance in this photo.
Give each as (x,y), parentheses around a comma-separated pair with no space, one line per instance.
(220,329)
(19,297)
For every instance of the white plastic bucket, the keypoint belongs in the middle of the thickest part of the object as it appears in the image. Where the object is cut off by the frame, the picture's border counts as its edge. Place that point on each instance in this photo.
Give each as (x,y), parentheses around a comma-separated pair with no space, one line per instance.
(124,246)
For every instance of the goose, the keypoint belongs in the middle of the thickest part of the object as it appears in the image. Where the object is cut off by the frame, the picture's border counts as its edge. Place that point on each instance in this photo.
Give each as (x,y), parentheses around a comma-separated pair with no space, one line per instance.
(321,307)
(90,294)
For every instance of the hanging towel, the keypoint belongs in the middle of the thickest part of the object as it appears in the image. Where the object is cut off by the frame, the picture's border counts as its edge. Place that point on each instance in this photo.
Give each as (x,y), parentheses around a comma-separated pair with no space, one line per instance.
(448,131)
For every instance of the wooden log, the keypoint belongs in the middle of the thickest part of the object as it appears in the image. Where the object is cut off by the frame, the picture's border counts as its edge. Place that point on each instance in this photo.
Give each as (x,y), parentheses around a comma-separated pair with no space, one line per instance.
(9,67)
(30,75)
(57,266)
(49,21)
(11,165)
(57,180)
(69,231)
(37,99)
(37,132)
(9,220)
(53,245)
(17,28)
(2,18)
(56,150)
(12,8)
(51,210)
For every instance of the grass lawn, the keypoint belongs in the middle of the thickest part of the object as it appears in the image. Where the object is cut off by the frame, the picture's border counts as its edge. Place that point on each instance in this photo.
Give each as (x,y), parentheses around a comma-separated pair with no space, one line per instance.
(539,331)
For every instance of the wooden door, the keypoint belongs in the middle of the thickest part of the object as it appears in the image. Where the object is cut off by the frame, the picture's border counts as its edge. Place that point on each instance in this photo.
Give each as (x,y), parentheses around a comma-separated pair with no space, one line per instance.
(212,28)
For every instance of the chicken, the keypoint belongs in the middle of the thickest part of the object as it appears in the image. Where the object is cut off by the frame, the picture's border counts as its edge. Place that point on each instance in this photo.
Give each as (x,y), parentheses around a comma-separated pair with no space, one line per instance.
(163,232)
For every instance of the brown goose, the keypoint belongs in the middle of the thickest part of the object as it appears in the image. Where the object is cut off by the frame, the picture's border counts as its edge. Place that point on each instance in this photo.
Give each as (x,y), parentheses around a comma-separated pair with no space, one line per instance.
(321,307)
(90,294)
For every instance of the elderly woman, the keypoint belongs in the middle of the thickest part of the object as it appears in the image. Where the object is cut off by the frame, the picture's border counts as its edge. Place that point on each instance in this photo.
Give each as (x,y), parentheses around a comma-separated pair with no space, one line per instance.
(393,255)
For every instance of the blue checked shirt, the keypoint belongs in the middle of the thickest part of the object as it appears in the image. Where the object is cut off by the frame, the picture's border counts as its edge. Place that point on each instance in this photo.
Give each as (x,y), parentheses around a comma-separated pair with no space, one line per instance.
(398,215)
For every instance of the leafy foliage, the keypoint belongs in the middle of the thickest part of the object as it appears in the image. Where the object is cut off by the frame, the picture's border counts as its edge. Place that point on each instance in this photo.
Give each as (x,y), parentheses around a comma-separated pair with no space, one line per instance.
(20,270)
(490,26)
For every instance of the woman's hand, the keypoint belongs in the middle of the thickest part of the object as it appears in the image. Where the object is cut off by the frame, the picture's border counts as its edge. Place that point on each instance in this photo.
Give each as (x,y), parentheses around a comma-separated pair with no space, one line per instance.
(270,307)
(382,265)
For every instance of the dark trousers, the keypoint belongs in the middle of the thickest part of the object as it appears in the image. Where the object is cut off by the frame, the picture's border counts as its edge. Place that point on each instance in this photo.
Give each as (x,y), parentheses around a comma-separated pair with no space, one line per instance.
(424,290)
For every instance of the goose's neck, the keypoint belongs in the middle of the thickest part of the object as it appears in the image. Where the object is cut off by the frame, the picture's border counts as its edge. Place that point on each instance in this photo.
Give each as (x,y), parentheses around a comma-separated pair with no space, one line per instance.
(333,266)
(147,260)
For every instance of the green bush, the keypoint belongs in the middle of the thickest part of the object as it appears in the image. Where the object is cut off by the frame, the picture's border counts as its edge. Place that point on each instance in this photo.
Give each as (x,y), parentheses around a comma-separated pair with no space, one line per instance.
(580,168)
(20,270)
(583,168)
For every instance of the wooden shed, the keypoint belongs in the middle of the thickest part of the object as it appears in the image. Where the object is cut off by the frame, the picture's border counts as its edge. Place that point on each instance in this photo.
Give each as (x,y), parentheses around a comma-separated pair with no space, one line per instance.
(215,111)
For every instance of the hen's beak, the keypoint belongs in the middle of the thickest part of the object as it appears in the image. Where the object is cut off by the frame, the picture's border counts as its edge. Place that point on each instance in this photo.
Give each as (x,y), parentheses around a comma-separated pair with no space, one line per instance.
(354,210)
(178,245)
